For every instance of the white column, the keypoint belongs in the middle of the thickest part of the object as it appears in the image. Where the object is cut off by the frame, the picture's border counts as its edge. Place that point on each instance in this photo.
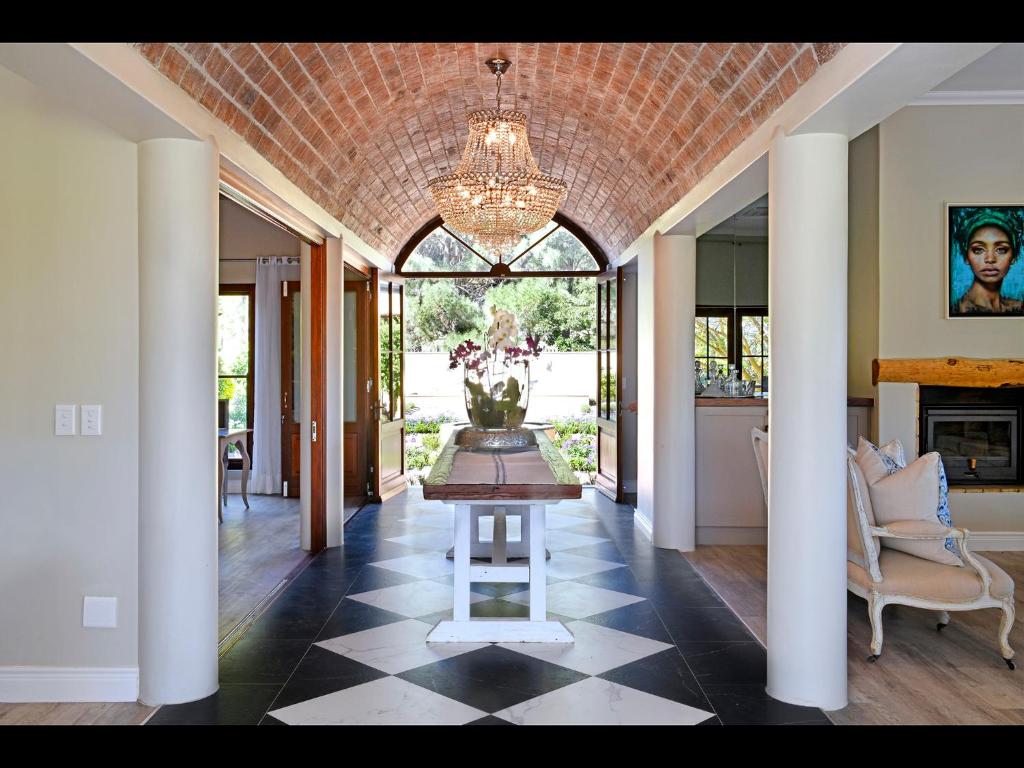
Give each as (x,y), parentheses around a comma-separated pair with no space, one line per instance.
(334,414)
(305,385)
(178,246)
(807,419)
(666,294)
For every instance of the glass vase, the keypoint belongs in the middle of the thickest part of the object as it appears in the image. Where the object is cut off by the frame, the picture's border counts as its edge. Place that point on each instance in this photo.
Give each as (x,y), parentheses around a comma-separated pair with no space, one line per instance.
(497,394)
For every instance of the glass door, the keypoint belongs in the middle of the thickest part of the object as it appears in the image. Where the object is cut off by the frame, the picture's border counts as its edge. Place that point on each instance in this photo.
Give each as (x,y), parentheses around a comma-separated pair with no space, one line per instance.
(609,288)
(389,405)
(291,386)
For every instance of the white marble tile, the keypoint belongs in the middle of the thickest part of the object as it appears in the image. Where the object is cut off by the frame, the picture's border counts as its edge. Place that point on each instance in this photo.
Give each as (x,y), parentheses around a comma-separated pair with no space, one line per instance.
(578,601)
(417,598)
(596,649)
(394,648)
(556,520)
(599,702)
(556,540)
(425,565)
(565,566)
(437,540)
(438,519)
(577,508)
(388,701)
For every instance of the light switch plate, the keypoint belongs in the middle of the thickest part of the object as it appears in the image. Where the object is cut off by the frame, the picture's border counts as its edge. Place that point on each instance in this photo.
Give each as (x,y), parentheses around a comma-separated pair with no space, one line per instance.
(92,420)
(64,420)
(99,612)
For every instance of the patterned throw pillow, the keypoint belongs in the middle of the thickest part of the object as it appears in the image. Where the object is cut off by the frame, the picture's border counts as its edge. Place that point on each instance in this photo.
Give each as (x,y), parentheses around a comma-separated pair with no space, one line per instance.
(922,493)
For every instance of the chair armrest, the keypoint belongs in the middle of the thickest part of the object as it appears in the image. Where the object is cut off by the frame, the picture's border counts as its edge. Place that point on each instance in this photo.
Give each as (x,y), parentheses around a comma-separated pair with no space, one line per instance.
(921,530)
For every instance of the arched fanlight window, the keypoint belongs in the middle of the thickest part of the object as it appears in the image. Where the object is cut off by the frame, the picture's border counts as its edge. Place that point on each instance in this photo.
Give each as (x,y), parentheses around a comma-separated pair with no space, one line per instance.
(559,249)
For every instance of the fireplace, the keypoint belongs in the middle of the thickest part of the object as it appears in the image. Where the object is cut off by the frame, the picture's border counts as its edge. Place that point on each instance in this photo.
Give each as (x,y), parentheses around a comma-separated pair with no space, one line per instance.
(976,430)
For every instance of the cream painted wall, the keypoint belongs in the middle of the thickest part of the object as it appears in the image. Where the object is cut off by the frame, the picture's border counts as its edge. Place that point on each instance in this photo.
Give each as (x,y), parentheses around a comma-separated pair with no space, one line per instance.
(715,271)
(69,325)
(862,307)
(245,236)
(929,156)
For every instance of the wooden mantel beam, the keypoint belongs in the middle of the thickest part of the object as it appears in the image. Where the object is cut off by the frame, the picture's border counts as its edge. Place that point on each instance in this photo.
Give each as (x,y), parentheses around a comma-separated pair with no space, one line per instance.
(950,371)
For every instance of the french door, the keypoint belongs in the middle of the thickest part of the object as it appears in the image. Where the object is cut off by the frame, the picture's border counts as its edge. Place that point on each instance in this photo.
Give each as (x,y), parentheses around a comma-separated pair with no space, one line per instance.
(387,471)
(609,406)
(358,387)
(291,387)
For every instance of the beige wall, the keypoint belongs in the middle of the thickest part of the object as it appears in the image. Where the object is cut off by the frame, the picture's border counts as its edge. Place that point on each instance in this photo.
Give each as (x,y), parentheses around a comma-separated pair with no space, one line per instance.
(245,236)
(69,333)
(862,307)
(929,156)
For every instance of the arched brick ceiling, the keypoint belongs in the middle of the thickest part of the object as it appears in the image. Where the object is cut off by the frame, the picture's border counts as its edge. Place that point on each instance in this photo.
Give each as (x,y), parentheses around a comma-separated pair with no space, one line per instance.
(361,127)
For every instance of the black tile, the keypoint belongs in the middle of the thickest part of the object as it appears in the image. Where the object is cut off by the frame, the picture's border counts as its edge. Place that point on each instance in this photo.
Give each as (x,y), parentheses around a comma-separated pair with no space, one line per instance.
(261,660)
(662,674)
(293,619)
(491,678)
(637,619)
(604,550)
(372,577)
(496,589)
(727,663)
(681,591)
(231,705)
(353,616)
(491,720)
(702,625)
(750,705)
(322,672)
(617,579)
(271,720)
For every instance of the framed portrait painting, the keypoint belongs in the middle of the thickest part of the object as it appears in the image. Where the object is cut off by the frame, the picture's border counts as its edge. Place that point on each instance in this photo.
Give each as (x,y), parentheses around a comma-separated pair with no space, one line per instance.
(984,268)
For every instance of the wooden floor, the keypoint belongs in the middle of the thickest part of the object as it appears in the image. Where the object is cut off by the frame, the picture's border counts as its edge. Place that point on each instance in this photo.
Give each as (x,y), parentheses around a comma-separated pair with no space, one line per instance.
(922,677)
(74,714)
(259,546)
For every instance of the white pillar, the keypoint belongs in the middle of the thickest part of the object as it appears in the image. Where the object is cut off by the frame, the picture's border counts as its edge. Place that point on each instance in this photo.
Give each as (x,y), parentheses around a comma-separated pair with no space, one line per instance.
(807,279)
(178,246)
(306,387)
(334,415)
(666,295)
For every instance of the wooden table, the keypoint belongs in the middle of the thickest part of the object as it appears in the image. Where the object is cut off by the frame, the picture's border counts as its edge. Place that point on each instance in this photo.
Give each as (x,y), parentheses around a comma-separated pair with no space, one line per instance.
(238,438)
(525,482)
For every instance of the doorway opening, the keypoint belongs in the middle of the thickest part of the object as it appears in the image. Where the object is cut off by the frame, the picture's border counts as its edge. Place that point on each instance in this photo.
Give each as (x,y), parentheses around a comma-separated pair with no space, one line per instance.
(259,392)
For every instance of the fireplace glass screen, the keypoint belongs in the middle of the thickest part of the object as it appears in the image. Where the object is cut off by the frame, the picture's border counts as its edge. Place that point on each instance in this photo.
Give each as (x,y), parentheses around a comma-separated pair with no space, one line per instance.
(977,445)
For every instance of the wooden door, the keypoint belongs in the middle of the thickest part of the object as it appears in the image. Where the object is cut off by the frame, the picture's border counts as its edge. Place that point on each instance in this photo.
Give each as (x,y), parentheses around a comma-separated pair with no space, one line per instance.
(609,405)
(291,387)
(387,469)
(356,394)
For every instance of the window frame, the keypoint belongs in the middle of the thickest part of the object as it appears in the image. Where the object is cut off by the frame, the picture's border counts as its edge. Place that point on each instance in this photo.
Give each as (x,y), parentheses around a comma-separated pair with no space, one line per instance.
(500,269)
(244,289)
(735,314)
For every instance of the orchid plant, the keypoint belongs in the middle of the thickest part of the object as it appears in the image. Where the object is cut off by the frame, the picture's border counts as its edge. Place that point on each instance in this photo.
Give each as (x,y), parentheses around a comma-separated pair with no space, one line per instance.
(493,394)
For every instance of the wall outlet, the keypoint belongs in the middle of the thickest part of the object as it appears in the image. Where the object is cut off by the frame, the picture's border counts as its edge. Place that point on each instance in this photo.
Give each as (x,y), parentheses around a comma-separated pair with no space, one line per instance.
(99,612)
(92,420)
(64,420)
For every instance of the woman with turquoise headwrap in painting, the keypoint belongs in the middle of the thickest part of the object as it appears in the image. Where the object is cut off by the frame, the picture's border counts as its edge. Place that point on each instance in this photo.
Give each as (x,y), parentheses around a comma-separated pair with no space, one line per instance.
(988,241)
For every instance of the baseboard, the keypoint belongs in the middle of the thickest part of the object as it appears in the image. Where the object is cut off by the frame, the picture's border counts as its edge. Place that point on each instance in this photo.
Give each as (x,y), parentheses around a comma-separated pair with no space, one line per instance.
(68,684)
(996,541)
(641,521)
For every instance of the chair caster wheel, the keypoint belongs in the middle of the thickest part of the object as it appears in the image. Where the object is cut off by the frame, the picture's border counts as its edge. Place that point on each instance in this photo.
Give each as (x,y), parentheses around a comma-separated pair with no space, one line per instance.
(939,627)
(1010,664)
(873,658)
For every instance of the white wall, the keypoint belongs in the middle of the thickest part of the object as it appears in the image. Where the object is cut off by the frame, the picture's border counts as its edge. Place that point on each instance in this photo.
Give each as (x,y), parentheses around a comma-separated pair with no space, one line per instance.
(69,333)
(929,156)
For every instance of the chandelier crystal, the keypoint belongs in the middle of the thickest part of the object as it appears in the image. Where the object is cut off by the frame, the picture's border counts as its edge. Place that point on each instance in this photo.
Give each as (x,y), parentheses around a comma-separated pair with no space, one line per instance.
(497,193)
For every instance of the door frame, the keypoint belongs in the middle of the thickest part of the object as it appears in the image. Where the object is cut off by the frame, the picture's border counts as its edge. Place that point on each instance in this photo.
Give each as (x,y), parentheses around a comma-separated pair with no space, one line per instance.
(318,397)
(287,374)
(385,489)
(361,289)
(613,491)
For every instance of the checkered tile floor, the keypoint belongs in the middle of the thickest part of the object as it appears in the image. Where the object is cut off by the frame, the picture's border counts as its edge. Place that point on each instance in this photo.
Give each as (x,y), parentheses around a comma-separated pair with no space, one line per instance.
(345,643)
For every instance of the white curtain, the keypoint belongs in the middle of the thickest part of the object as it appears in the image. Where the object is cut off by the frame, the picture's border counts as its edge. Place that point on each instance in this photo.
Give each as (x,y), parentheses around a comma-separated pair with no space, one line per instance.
(266,467)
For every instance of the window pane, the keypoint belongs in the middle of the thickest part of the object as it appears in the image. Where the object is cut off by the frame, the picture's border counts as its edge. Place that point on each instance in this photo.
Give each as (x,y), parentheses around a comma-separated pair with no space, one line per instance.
(297,355)
(440,252)
(233,334)
(233,389)
(397,331)
(718,336)
(719,366)
(700,334)
(751,335)
(753,367)
(562,251)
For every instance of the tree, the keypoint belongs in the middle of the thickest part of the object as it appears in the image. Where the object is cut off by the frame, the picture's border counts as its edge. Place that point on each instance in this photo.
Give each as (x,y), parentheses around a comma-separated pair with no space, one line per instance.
(550,313)
(439,318)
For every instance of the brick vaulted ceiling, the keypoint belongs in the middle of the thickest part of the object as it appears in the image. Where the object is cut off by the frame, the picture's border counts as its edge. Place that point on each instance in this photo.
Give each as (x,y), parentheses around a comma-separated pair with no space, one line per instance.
(360,128)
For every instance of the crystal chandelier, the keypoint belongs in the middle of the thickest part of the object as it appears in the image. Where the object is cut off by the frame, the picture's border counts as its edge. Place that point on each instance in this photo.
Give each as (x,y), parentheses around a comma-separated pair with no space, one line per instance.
(497,193)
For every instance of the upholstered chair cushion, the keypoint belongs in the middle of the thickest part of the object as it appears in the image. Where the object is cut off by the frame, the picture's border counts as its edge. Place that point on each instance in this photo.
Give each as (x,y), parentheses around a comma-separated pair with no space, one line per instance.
(877,462)
(909,576)
(862,547)
(914,493)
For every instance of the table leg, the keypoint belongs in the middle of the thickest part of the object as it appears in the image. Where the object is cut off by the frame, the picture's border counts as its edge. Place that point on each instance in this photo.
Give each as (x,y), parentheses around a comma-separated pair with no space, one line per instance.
(538,565)
(462,526)
(246,464)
